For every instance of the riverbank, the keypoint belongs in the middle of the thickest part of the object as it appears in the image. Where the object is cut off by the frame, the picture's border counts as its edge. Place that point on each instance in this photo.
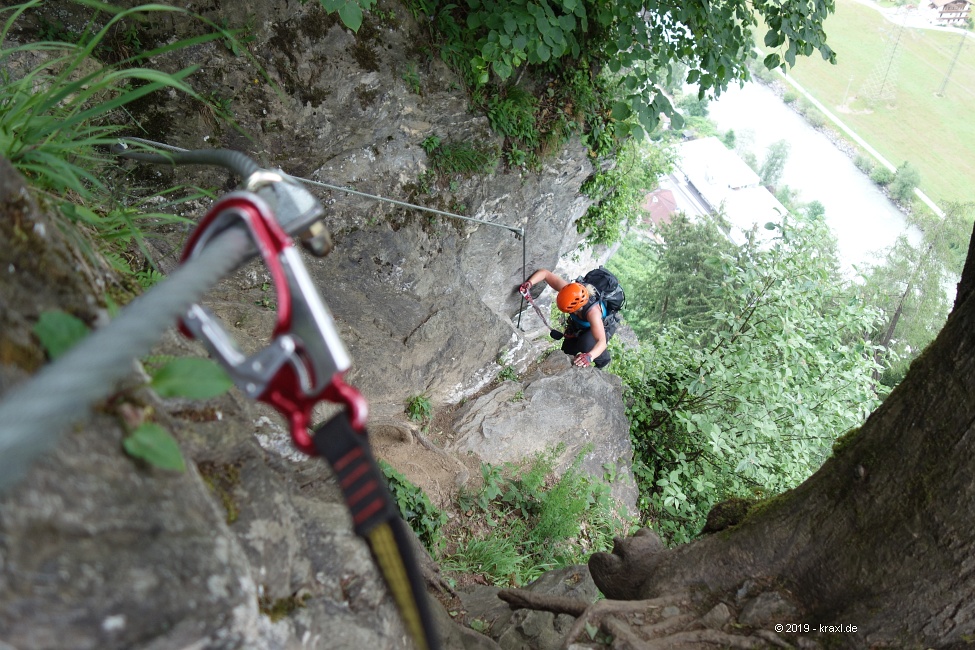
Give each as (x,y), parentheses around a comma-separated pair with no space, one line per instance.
(842,139)
(860,215)
(906,90)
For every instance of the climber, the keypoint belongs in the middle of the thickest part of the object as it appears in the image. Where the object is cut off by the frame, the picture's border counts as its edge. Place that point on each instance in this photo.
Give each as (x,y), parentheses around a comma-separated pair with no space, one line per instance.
(592,303)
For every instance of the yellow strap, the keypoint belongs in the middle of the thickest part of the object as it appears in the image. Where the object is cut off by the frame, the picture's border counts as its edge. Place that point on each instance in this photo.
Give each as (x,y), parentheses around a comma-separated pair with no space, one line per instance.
(391,564)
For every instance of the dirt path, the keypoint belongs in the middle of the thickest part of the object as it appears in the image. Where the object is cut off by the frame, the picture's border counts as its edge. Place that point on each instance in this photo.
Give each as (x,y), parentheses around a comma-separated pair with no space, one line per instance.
(418,454)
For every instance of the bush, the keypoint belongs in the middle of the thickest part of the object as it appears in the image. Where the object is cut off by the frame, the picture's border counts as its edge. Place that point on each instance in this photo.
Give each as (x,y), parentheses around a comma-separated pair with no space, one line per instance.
(61,115)
(815,210)
(692,106)
(815,118)
(419,409)
(415,507)
(746,399)
(905,180)
(514,116)
(618,192)
(790,96)
(729,139)
(524,521)
(882,176)
(864,163)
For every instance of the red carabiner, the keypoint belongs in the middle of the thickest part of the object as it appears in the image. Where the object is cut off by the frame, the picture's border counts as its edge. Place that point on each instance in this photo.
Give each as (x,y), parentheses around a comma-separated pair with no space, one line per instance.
(305,360)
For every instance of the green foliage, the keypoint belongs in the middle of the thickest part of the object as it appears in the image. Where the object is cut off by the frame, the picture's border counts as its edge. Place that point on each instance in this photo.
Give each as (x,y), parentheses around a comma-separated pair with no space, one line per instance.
(788,197)
(59,116)
(192,377)
(750,159)
(749,404)
(728,139)
(412,78)
(911,285)
(492,39)
(814,117)
(236,39)
(419,408)
(513,116)
(117,227)
(618,192)
(906,179)
(693,106)
(524,520)
(864,163)
(815,210)
(774,164)
(415,507)
(430,144)
(58,332)
(460,158)
(452,159)
(349,11)
(515,157)
(881,176)
(55,125)
(507,373)
(674,279)
(153,444)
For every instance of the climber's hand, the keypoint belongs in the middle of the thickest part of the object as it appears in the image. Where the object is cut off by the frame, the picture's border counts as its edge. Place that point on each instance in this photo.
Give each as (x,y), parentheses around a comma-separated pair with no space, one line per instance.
(525,287)
(583,360)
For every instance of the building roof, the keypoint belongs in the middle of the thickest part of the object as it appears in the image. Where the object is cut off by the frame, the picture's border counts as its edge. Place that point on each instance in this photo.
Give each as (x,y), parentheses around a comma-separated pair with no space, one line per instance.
(713,168)
(728,185)
(941,4)
(660,205)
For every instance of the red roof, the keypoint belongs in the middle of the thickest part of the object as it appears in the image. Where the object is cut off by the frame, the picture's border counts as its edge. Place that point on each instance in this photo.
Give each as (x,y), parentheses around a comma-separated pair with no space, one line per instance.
(660,204)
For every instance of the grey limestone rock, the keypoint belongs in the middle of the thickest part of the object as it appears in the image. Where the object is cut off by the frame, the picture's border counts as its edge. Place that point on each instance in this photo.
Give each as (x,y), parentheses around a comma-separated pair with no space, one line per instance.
(575,410)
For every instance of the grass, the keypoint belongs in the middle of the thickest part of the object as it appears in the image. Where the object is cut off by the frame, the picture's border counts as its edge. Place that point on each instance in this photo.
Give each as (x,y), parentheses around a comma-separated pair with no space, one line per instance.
(934,133)
(60,114)
(523,520)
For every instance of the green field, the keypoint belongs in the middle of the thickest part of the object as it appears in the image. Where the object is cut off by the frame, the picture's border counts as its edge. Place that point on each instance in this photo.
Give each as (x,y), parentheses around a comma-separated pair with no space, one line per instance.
(936,135)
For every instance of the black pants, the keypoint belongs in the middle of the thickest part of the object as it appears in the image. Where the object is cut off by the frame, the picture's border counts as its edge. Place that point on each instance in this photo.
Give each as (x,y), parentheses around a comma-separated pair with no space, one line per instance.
(583,341)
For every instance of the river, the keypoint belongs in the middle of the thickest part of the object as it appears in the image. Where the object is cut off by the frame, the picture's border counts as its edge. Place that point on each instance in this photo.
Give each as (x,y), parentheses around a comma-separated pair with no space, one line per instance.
(863,220)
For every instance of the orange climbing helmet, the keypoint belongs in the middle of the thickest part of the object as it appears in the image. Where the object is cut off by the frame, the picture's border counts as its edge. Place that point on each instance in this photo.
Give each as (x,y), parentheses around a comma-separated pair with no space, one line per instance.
(572,297)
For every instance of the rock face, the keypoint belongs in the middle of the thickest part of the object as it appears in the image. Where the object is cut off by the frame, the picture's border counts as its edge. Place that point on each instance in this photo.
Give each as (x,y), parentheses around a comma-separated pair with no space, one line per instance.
(252,546)
(246,549)
(575,410)
(408,288)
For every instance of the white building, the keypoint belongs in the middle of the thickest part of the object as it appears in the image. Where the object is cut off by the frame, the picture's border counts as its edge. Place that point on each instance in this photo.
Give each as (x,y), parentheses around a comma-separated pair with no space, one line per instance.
(724,183)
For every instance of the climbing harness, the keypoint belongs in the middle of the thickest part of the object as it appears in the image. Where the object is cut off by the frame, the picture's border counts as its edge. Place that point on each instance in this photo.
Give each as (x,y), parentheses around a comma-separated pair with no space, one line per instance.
(554,333)
(303,364)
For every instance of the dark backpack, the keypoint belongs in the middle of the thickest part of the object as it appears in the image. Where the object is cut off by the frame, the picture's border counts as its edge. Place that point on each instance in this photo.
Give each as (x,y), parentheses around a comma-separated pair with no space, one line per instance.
(610,292)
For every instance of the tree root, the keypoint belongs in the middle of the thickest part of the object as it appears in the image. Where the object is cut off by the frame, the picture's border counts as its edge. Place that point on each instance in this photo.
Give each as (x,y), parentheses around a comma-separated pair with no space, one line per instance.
(671,622)
(524,599)
(599,613)
(665,623)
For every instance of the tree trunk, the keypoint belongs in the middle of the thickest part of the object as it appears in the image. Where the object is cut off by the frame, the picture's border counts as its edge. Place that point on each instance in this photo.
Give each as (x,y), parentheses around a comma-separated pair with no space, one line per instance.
(881,537)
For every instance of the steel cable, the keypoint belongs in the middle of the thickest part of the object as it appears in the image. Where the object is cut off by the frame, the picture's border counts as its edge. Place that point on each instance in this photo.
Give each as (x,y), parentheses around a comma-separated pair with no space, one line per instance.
(209,157)
(34,414)
(237,162)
